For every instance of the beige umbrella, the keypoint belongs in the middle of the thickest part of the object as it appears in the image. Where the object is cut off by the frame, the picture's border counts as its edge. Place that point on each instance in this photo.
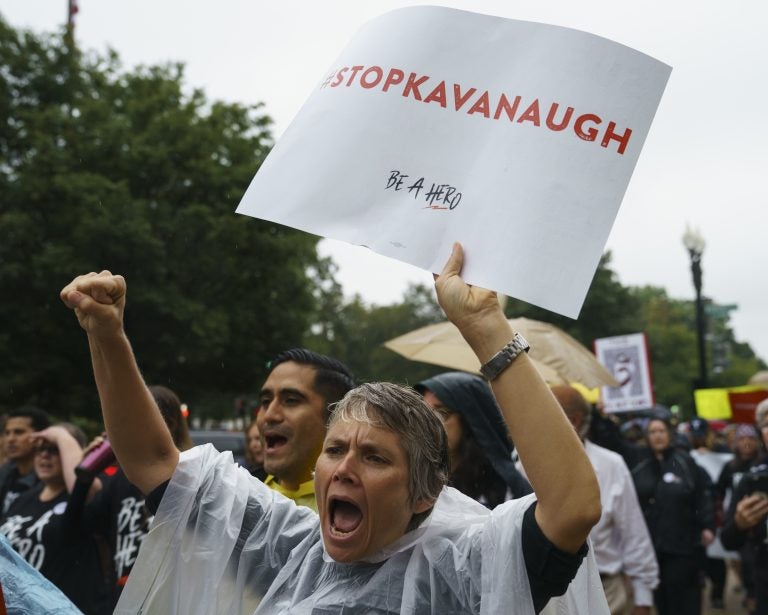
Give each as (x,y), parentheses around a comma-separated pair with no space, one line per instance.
(759,379)
(559,358)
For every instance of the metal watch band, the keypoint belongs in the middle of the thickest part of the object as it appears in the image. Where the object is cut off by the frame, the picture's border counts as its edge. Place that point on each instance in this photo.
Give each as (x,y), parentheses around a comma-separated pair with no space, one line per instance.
(502,359)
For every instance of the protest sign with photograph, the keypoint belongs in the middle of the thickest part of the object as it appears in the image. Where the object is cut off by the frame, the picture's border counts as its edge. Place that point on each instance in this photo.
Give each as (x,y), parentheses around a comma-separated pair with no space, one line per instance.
(626,358)
(437,125)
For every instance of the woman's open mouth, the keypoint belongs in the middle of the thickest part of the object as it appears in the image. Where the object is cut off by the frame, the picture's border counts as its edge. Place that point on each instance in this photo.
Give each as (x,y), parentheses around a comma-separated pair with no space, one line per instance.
(345,517)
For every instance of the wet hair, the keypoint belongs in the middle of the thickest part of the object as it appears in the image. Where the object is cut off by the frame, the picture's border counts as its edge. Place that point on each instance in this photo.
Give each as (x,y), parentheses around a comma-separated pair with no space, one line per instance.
(170,407)
(420,431)
(332,378)
(40,419)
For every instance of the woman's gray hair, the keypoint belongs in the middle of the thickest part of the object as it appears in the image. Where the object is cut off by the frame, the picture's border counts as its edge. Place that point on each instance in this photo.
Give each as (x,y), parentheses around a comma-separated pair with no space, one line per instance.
(421,433)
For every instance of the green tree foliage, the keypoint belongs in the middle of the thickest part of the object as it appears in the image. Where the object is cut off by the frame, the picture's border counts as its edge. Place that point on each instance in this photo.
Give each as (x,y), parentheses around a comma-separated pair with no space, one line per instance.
(355,333)
(102,167)
(609,309)
(127,170)
(670,325)
(671,338)
(731,362)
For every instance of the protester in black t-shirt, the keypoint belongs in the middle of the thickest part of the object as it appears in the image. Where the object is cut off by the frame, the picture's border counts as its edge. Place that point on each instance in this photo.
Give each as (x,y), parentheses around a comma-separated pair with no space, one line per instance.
(17,474)
(37,526)
(118,510)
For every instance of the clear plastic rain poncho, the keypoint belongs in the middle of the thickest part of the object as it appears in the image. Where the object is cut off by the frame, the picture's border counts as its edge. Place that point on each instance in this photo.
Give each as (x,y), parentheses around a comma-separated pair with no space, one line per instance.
(223,542)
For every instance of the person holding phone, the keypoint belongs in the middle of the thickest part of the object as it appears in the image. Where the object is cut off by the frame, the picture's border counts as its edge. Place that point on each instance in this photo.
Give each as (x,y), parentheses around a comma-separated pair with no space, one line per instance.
(746,522)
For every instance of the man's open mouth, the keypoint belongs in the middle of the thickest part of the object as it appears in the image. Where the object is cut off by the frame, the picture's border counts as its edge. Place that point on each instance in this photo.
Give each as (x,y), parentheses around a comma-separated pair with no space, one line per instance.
(345,517)
(274,441)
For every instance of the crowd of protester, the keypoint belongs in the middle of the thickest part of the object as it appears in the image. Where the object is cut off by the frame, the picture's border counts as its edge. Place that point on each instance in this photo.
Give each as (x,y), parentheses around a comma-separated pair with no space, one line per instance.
(81,530)
(680,502)
(704,495)
(388,535)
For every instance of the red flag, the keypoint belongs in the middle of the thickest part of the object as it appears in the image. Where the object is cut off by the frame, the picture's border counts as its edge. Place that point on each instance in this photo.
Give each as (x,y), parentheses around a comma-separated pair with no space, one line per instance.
(743,405)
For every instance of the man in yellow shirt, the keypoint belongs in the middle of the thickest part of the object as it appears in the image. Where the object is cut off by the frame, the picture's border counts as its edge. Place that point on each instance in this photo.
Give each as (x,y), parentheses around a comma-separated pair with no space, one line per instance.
(293,412)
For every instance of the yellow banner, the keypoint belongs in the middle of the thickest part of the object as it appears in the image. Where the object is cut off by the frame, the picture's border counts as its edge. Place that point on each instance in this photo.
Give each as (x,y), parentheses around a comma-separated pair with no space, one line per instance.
(716,404)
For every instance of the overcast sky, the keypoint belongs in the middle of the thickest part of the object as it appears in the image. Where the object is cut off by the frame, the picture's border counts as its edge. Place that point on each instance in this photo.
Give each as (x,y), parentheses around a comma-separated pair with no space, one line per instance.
(704,162)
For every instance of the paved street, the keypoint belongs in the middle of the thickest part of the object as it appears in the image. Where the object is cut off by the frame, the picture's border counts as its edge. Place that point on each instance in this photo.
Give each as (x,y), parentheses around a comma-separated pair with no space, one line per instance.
(733,598)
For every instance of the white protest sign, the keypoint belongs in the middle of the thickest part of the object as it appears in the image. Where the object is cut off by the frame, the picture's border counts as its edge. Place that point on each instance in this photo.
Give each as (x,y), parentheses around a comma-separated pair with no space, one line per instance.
(436,125)
(626,359)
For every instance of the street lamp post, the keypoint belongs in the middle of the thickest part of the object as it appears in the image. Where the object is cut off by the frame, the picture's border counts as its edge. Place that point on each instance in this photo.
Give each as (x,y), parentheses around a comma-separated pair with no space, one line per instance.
(694,243)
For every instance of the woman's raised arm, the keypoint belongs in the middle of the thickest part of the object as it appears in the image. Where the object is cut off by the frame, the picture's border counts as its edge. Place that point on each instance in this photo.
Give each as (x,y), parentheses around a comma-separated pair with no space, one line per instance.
(554,458)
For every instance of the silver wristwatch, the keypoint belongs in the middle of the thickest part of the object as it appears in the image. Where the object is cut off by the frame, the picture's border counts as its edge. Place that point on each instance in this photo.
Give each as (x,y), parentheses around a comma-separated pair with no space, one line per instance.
(502,359)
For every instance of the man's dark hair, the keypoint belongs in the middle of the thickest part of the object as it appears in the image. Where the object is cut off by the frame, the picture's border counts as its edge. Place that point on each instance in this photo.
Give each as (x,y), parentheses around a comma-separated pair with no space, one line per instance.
(40,419)
(332,378)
